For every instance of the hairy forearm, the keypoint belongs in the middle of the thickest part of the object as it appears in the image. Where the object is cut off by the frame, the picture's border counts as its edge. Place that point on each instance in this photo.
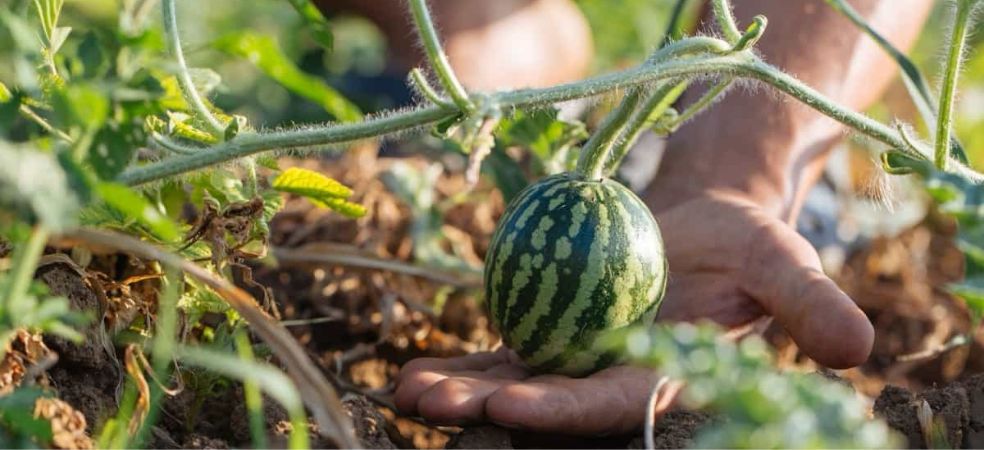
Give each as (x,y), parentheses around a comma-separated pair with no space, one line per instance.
(772,148)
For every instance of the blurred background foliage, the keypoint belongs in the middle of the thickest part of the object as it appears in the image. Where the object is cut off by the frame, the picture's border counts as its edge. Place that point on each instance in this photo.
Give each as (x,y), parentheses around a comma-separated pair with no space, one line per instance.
(625,31)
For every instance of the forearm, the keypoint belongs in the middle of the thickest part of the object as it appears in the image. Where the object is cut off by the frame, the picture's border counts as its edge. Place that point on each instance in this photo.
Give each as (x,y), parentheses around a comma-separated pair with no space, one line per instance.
(772,148)
(492,44)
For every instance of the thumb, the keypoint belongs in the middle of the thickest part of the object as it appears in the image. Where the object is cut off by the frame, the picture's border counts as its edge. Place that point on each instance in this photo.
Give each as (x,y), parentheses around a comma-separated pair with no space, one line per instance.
(784,275)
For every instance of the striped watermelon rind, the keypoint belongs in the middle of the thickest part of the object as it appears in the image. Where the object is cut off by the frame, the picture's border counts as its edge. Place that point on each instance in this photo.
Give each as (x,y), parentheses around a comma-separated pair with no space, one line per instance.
(571,258)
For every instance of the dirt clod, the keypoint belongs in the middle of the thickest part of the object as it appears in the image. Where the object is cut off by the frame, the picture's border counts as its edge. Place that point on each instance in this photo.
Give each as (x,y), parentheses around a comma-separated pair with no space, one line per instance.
(481,437)
(370,425)
(676,429)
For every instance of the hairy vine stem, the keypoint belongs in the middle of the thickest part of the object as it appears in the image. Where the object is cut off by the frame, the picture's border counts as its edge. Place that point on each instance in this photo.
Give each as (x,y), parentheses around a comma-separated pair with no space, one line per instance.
(743,64)
(435,54)
(726,20)
(591,164)
(654,108)
(216,127)
(952,71)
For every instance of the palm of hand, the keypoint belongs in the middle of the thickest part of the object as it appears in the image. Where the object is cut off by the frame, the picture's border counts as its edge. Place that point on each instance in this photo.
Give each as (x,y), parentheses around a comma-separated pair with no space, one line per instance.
(729,262)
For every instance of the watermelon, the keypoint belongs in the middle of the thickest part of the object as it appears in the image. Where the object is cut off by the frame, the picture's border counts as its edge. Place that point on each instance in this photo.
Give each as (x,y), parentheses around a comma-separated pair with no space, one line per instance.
(569,259)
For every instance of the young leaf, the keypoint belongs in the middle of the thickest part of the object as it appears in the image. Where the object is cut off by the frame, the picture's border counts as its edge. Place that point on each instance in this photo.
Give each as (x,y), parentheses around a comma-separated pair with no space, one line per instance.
(137,208)
(264,52)
(5,94)
(319,189)
(544,134)
(316,23)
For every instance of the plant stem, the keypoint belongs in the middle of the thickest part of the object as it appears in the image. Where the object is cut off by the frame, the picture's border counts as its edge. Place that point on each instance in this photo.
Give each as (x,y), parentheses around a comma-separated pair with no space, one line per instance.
(29,113)
(742,64)
(954,58)
(419,81)
(591,164)
(24,264)
(435,54)
(198,106)
(702,103)
(654,107)
(726,20)
(673,31)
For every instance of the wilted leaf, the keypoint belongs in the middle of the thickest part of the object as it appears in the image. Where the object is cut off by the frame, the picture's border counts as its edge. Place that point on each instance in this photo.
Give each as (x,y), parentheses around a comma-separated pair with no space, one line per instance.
(263,51)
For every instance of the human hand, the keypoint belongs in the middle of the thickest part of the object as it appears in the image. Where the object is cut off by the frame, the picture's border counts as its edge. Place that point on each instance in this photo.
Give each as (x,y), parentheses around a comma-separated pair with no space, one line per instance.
(730,262)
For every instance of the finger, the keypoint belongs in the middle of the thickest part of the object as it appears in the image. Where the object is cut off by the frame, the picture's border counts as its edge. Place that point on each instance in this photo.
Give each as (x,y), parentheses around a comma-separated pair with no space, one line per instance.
(417,377)
(783,272)
(458,400)
(474,361)
(611,401)
(410,386)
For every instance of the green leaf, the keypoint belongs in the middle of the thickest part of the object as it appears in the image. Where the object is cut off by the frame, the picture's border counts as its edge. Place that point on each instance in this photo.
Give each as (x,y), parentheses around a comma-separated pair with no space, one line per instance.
(914,81)
(754,405)
(79,106)
(91,53)
(264,52)
(319,189)
(547,137)
(137,208)
(17,418)
(34,188)
(113,149)
(5,94)
(316,23)
(506,173)
(310,184)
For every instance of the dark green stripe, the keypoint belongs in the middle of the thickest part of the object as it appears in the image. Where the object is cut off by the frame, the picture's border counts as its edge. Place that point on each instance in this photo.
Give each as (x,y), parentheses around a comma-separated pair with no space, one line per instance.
(573,267)
(510,265)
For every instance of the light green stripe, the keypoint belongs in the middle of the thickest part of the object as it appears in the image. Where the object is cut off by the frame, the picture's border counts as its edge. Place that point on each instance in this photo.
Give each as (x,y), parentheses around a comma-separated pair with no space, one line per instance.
(527,213)
(560,184)
(520,279)
(500,261)
(563,249)
(539,237)
(620,311)
(556,202)
(567,326)
(578,213)
(541,307)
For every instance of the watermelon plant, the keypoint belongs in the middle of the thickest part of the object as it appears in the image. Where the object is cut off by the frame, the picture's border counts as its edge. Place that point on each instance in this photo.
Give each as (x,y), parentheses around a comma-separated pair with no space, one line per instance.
(107,140)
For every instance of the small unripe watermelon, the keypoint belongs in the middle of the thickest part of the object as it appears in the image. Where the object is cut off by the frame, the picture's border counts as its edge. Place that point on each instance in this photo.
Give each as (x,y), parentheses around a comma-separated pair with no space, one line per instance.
(569,259)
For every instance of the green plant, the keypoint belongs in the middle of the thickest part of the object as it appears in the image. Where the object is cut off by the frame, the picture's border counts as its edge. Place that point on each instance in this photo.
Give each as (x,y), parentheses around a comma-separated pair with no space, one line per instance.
(754,406)
(113,135)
